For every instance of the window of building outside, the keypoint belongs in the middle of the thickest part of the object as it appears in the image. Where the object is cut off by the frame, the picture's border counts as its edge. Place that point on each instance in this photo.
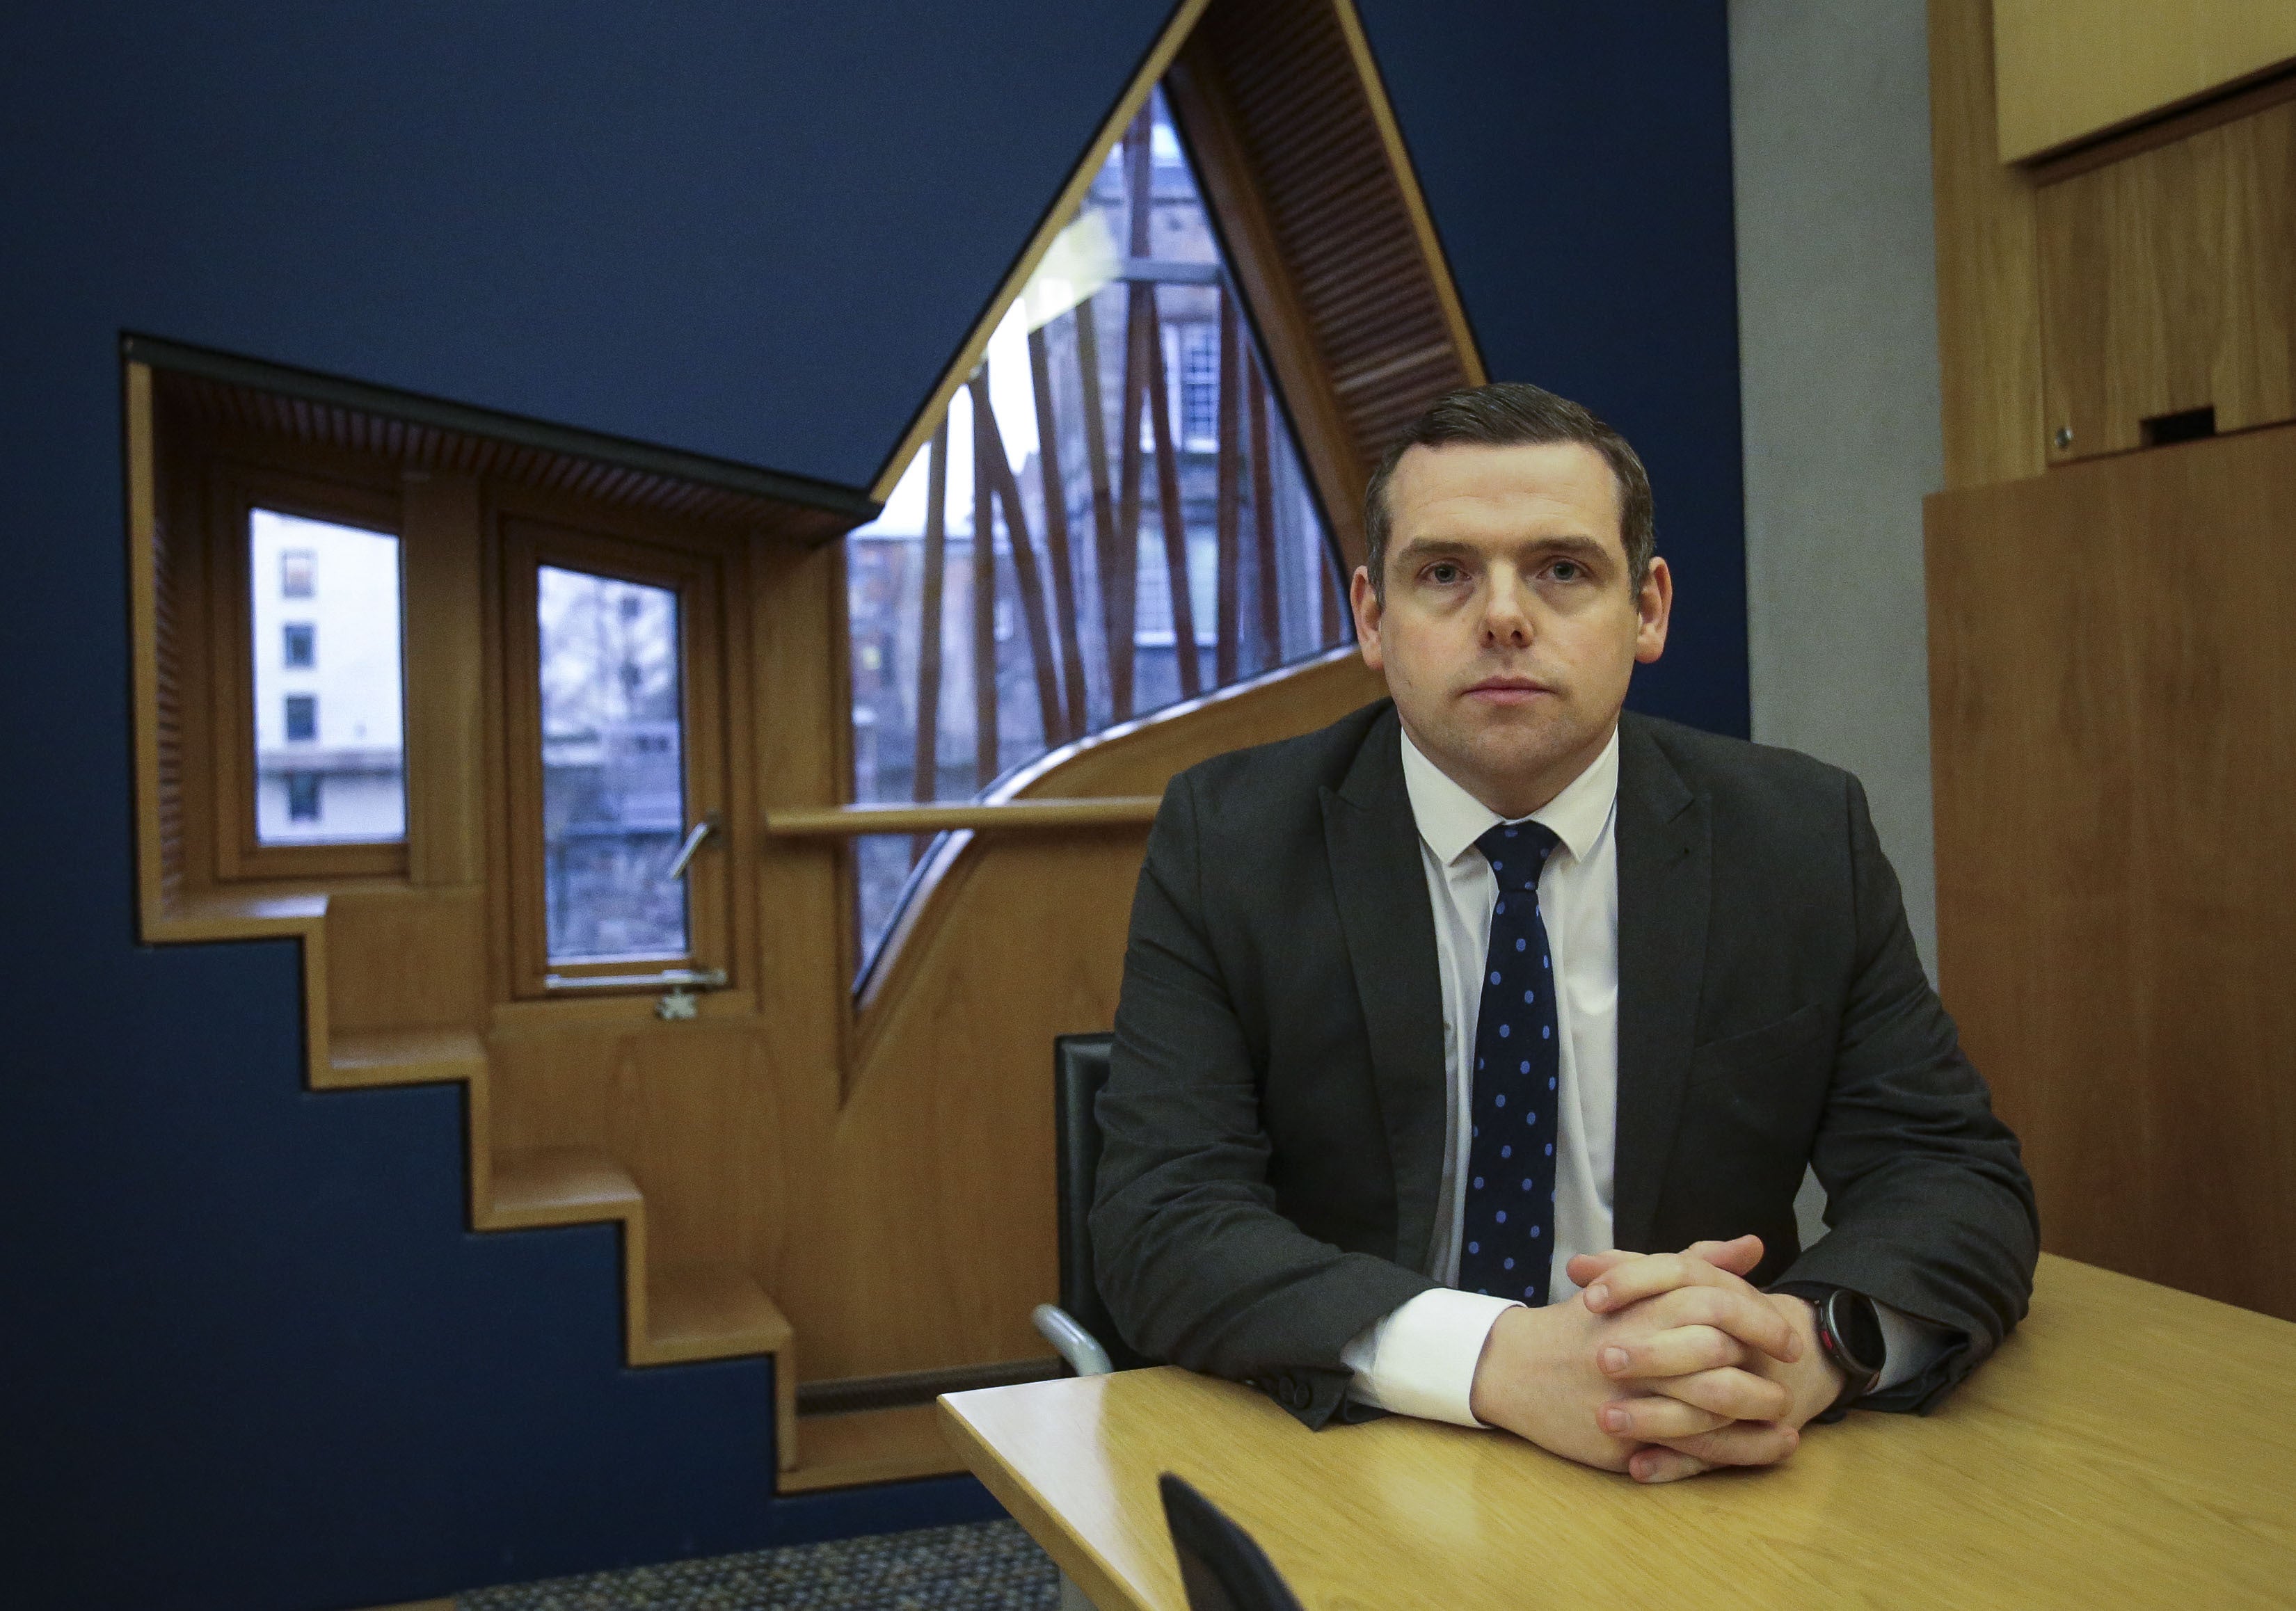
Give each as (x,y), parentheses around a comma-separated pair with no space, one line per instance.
(303,802)
(330,754)
(1112,517)
(297,573)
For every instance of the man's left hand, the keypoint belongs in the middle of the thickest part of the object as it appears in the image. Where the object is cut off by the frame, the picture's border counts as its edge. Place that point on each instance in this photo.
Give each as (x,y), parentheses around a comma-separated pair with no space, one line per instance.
(1671,1371)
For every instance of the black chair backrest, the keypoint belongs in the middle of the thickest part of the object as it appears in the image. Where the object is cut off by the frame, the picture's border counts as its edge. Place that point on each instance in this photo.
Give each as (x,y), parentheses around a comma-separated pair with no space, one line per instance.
(1221,1567)
(1080,1069)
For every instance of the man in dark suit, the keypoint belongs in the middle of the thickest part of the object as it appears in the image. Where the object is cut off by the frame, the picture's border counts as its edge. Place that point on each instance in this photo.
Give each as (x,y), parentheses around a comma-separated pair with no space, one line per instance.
(1441,1024)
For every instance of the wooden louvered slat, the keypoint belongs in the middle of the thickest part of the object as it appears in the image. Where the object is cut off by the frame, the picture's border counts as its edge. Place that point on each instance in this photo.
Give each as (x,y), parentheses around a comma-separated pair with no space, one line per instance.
(242,410)
(1283,107)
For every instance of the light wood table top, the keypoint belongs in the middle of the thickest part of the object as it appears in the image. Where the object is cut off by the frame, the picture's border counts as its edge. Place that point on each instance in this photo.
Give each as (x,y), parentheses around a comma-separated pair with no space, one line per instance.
(2130,1446)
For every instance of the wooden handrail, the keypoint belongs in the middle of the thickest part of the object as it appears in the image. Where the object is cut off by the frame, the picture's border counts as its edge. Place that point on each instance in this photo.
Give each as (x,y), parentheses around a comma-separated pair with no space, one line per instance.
(995,816)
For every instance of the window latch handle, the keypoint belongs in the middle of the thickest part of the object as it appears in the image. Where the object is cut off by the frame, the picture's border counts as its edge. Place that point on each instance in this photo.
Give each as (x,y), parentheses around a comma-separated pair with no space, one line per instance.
(694,836)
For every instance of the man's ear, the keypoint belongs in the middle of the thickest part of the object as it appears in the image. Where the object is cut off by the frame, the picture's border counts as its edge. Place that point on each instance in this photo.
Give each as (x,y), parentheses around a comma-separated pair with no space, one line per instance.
(1655,607)
(1363,602)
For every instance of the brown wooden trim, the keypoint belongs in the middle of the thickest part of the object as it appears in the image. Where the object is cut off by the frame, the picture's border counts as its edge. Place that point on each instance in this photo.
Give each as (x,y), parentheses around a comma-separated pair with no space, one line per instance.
(925,773)
(1228,494)
(1057,550)
(1120,583)
(986,744)
(1415,200)
(1056,218)
(1989,291)
(139,449)
(1004,816)
(444,625)
(2276,86)
(1103,504)
(1171,514)
(1263,514)
(1028,581)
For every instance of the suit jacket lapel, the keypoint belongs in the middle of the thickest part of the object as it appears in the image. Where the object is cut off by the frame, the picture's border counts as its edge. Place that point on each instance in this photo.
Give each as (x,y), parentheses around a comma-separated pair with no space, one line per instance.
(1665,892)
(1390,929)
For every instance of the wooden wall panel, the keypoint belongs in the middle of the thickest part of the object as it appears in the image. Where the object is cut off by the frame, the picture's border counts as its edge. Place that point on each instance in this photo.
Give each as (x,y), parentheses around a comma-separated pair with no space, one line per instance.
(407,957)
(446,713)
(1987,272)
(2113,734)
(922,1205)
(2071,71)
(2169,283)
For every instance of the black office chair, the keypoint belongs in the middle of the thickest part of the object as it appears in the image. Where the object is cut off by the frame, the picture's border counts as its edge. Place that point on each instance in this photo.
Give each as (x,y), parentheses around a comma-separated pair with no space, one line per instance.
(1079,1326)
(1221,1567)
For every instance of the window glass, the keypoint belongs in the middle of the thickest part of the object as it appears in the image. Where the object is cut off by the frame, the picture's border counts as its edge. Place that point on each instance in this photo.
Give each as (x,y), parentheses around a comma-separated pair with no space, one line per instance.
(1019,591)
(330,752)
(613,766)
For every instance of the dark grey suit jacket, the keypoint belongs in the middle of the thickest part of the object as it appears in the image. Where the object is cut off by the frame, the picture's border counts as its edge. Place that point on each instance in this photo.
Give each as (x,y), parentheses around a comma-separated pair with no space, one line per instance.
(1275,1117)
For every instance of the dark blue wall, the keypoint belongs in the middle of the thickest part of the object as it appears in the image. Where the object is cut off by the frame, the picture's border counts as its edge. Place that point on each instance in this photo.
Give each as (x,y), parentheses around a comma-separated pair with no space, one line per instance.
(1576,160)
(249,1355)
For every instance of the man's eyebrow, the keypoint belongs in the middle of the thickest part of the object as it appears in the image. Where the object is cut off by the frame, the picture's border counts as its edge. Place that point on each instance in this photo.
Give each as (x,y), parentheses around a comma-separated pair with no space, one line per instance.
(1434,547)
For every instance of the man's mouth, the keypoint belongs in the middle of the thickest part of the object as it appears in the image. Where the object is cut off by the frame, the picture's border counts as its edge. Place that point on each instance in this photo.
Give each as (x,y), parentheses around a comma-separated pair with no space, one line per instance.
(1507,689)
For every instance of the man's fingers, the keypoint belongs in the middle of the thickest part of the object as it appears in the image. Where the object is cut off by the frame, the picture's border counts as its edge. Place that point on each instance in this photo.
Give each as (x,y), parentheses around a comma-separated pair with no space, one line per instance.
(1660,1464)
(1646,1419)
(1584,1268)
(1703,1296)
(1739,1256)
(1734,1394)
(1671,1352)
(1740,1444)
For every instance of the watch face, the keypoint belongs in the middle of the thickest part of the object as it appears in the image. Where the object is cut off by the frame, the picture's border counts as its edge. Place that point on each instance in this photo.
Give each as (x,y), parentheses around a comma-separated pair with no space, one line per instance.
(1858,1329)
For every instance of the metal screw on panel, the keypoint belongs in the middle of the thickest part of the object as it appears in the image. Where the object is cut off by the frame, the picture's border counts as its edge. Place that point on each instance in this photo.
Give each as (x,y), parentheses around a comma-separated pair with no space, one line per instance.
(2064,437)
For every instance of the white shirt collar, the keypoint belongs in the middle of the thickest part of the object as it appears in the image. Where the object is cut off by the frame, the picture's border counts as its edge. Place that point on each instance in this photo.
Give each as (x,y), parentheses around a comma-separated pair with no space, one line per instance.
(1451,820)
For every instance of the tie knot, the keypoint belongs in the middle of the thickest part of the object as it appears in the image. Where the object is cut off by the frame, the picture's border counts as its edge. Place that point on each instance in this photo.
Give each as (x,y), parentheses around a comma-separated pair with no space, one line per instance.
(1516,851)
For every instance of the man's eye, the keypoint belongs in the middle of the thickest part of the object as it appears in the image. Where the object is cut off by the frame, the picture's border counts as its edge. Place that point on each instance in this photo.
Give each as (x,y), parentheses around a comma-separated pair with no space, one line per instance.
(1444,574)
(1567,570)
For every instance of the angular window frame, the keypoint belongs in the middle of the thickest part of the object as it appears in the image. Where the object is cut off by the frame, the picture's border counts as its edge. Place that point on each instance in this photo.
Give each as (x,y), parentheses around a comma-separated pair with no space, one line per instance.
(528,544)
(236,490)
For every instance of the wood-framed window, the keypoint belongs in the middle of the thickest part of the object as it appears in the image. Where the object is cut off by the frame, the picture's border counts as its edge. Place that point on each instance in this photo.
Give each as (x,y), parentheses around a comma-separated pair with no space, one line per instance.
(613,676)
(308,752)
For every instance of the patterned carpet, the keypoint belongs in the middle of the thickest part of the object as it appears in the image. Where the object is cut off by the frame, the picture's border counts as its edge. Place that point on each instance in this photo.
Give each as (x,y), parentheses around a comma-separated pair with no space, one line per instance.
(979,1566)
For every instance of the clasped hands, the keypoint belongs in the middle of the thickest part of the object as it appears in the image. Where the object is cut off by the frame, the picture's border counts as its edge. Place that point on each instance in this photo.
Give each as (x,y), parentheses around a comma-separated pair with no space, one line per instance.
(1664,1366)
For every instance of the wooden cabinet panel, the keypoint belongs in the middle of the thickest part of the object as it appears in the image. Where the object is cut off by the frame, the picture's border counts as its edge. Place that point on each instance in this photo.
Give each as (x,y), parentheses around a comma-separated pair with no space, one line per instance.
(2067,72)
(2168,284)
(2113,740)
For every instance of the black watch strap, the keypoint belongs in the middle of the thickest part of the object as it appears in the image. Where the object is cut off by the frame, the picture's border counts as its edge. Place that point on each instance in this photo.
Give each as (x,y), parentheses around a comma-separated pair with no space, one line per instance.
(1850,1330)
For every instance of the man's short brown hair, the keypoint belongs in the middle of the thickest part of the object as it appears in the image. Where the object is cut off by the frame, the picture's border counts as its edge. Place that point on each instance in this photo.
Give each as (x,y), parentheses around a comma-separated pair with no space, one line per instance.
(1511,413)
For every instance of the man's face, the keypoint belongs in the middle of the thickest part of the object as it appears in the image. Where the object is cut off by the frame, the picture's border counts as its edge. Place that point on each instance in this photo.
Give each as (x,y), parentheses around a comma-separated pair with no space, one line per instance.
(1512,624)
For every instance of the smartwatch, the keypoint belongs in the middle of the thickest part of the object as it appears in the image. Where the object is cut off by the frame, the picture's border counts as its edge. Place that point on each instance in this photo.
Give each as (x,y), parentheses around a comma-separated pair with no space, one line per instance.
(1850,1330)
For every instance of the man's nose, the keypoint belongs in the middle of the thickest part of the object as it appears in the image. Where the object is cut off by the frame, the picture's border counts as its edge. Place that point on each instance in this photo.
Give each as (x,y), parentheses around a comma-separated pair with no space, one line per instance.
(1507,611)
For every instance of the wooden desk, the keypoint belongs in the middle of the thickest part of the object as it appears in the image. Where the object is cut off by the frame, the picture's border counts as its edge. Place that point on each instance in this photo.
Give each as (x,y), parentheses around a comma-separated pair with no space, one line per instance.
(2130,1445)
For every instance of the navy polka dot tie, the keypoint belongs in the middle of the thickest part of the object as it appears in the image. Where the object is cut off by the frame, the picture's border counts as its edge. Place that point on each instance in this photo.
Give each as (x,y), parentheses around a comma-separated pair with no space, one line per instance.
(1508,1231)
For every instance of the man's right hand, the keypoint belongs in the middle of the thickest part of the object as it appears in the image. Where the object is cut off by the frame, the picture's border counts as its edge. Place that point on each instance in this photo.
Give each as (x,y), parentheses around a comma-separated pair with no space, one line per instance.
(1540,1376)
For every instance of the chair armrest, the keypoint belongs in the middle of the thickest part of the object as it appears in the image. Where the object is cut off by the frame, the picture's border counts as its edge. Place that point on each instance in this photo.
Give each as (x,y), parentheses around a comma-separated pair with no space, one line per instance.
(1075,1345)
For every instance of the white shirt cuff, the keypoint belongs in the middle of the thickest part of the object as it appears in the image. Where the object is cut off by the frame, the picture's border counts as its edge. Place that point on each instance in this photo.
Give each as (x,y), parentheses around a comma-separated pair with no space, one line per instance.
(1420,1358)
(1910,1347)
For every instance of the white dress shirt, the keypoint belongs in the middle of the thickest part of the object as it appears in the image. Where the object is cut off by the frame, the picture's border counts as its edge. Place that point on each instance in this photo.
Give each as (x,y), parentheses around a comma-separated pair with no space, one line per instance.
(1420,1358)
